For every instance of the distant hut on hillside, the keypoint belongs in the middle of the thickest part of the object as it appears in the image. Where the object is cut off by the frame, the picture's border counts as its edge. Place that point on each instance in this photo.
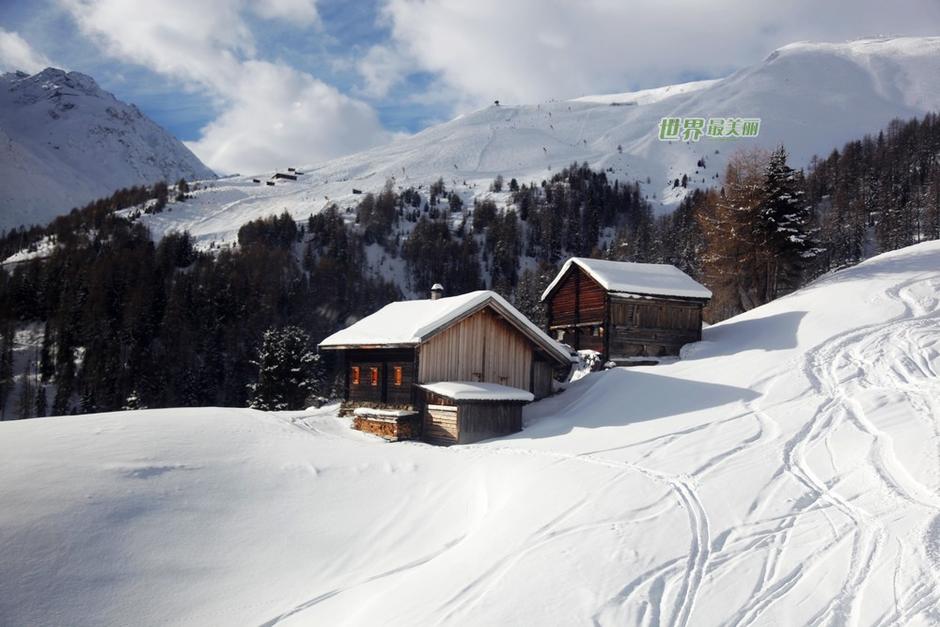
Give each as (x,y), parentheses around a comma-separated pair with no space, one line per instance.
(624,311)
(448,370)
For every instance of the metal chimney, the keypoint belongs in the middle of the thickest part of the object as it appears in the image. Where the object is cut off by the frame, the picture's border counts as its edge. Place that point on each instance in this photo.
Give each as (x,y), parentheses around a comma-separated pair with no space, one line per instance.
(437,290)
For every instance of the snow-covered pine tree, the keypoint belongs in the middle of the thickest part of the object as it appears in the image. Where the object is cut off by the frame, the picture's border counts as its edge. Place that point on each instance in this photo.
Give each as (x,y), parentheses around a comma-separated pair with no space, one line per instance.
(529,291)
(784,226)
(288,371)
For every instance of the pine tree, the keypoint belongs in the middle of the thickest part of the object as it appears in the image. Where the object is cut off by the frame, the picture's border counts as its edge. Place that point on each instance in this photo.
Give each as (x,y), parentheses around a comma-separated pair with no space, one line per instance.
(6,366)
(41,401)
(182,188)
(65,385)
(27,399)
(783,227)
(288,371)
(528,293)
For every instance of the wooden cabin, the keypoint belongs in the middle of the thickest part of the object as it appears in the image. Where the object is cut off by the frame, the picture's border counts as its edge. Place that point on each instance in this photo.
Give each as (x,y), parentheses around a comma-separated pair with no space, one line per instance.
(624,311)
(390,358)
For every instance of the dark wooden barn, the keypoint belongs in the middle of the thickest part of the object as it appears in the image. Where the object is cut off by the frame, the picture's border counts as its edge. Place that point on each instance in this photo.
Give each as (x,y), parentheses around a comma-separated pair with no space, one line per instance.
(624,311)
(475,338)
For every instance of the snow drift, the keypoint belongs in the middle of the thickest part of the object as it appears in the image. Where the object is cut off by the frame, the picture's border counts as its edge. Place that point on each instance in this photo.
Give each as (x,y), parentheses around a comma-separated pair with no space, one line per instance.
(785,472)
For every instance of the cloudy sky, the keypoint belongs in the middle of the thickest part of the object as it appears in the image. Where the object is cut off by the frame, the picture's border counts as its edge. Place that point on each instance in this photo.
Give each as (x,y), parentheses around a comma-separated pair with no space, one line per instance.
(250,82)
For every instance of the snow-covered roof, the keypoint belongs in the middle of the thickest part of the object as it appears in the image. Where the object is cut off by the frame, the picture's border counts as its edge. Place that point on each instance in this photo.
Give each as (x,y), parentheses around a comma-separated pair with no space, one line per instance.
(655,279)
(474,391)
(411,322)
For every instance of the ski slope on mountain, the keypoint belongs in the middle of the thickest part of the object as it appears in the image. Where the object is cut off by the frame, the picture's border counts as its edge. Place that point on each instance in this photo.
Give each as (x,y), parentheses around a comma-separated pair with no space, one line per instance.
(786,471)
(64,142)
(810,97)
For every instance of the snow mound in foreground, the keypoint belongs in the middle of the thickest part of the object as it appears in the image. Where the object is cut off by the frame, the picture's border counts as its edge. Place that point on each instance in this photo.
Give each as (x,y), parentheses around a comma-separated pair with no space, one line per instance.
(786,472)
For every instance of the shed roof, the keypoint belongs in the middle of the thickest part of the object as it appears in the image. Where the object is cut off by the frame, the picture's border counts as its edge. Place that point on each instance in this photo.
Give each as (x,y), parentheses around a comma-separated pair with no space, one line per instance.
(653,279)
(476,391)
(411,322)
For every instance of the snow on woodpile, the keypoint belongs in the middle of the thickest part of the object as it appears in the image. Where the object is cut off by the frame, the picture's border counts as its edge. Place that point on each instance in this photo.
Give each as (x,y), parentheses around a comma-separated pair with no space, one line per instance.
(786,472)
(653,279)
(473,391)
(383,413)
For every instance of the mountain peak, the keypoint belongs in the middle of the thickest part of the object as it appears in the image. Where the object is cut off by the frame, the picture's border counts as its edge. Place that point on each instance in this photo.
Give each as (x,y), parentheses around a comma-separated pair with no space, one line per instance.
(67,141)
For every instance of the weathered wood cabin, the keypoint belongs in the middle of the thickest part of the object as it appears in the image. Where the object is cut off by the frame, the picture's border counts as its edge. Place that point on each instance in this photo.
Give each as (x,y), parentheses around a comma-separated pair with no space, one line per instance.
(391,357)
(624,311)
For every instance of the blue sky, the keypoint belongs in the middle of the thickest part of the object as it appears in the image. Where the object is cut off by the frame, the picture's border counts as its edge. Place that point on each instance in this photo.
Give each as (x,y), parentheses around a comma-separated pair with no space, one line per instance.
(245,82)
(349,29)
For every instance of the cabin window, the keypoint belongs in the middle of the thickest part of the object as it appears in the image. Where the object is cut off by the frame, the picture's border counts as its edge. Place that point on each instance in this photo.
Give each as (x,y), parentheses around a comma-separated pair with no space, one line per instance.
(374,376)
(397,376)
(355,375)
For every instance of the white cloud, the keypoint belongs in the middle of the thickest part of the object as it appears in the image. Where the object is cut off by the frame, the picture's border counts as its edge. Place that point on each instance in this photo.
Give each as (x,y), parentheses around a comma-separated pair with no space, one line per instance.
(296,120)
(381,68)
(270,113)
(17,54)
(298,11)
(532,50)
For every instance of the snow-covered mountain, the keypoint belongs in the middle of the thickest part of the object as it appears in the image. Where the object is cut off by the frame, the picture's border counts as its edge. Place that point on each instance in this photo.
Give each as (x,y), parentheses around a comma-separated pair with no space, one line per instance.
(810,97)
(64,141)
(785,472)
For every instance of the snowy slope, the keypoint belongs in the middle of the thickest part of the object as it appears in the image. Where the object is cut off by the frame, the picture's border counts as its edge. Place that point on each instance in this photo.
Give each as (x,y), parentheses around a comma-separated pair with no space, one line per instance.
(811,97)
(64,141)
(786,472)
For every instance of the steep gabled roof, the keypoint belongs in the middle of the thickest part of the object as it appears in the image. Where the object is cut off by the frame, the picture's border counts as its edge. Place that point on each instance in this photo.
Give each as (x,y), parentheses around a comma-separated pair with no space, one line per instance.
(650,279)
(411,322)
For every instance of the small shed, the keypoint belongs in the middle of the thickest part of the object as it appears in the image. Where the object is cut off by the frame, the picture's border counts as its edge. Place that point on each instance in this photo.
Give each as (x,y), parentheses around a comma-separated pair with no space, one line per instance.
(462,412)
(625,311)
